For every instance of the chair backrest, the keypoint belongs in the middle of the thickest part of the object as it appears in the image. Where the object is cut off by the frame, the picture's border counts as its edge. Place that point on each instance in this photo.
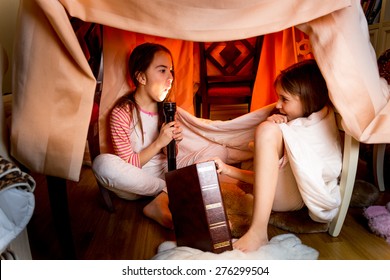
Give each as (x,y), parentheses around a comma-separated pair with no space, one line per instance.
(230,61)
(227,72)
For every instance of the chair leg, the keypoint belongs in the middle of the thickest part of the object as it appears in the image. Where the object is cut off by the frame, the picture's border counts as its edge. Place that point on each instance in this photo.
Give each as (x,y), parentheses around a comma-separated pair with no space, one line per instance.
(379,156)
(59,206)
(106,198)
(347,182)
(197,103)
(205,110)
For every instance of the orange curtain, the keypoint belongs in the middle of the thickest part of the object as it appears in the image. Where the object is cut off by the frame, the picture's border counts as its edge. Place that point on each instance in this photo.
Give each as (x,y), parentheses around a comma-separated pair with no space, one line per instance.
(118,45)
(278,52)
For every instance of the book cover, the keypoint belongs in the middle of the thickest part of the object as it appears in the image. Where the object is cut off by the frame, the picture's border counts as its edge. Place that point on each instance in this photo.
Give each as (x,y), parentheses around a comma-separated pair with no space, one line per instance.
(197,208)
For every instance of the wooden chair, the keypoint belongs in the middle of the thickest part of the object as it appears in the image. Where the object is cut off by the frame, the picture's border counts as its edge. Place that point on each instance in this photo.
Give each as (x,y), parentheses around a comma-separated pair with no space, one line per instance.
(227,73)
(347,178)
(348,175)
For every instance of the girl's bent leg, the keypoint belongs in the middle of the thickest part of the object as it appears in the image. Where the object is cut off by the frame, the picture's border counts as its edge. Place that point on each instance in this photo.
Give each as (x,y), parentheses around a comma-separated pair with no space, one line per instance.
(268,151)
(128,181)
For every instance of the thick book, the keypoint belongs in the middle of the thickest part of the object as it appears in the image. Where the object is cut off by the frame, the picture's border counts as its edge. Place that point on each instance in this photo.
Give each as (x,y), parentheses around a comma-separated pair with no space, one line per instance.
(198,212)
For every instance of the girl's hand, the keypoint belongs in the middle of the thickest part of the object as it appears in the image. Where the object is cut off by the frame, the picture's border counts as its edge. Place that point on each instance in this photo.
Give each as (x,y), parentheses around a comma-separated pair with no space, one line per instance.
(222,167)
(170,131)
(166,134)
(277,118)
(177,132)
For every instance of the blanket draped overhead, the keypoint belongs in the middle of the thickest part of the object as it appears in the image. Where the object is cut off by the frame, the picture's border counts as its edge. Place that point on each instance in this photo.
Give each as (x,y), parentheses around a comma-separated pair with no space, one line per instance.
(54,86)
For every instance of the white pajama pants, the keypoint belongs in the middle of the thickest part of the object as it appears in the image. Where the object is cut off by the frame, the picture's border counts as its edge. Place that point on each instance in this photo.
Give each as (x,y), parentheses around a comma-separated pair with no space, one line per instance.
(130,182)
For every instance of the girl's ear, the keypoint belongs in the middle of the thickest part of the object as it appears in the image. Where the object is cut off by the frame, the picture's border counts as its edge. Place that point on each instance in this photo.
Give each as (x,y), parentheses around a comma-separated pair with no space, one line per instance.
(141,78)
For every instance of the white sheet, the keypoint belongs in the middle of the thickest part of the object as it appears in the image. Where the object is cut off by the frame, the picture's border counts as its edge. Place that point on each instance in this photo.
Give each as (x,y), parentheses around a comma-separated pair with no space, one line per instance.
(281,247)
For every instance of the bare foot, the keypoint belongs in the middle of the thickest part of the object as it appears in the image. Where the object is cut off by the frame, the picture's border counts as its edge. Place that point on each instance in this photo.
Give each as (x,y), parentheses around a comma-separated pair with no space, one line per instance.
(158,210)
(250,241)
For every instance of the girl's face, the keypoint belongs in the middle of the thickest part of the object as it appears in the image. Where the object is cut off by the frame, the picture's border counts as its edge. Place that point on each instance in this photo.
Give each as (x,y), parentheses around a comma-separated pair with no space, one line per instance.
(158,77)
(289,104)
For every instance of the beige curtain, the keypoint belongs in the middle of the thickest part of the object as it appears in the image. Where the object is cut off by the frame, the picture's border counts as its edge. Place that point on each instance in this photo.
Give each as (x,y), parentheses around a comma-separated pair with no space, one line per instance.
(54,87)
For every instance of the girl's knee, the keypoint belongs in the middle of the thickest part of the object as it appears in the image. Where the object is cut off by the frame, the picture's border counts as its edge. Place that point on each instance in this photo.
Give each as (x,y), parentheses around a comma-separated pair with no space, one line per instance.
(102,160)
(268,131)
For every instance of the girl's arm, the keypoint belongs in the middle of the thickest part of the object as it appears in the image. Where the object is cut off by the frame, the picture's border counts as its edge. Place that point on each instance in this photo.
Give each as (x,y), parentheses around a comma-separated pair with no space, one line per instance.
(177,136)
(121,128)
(246,176)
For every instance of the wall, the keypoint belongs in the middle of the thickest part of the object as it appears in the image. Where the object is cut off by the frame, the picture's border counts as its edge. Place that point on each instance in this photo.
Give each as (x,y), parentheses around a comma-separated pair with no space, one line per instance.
(8,14)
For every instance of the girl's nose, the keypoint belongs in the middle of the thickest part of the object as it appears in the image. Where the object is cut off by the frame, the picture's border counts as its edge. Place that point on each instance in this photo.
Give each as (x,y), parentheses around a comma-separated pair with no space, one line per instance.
(170,76)
(279,104)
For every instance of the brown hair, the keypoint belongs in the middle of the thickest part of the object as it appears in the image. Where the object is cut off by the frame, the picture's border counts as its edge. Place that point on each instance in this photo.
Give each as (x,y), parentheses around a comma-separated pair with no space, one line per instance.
(305,80)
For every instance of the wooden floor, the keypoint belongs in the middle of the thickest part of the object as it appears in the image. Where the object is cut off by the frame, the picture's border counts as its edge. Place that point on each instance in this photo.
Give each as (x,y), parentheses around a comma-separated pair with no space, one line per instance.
(127,234)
